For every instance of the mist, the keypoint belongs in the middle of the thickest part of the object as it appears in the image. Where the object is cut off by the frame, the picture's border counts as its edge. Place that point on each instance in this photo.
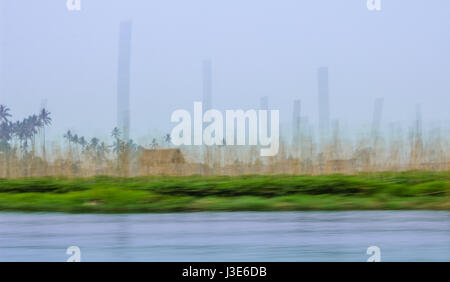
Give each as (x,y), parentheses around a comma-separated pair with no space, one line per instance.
(67,60)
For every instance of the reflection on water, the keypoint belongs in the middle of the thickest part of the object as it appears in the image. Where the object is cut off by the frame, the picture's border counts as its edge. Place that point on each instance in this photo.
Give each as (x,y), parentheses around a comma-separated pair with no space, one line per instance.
(244,236)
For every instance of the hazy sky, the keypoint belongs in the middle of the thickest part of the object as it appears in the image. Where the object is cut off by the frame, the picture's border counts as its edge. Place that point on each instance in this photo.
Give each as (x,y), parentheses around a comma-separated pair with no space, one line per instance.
(258,48)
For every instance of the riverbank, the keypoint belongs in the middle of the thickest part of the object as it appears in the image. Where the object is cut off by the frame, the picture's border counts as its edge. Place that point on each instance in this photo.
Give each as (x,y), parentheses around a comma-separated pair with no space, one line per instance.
(413,190)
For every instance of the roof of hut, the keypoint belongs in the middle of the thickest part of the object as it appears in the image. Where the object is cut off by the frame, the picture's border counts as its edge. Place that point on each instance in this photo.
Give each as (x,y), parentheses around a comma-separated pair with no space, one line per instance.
(161,157)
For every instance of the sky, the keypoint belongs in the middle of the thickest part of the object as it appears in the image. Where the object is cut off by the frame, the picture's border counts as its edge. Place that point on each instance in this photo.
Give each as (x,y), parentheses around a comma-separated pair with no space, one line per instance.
(257,47)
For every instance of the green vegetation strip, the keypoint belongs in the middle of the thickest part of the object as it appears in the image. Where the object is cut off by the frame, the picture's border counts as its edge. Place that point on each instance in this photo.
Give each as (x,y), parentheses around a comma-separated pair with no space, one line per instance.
(413,190)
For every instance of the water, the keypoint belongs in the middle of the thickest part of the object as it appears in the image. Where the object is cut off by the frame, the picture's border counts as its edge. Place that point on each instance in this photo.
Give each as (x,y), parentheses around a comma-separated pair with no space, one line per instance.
(243,236)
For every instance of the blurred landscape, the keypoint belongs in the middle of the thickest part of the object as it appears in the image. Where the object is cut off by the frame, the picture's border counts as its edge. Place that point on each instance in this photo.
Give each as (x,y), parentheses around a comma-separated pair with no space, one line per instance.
(25,153)
(341,146)
(87,156)
(89,175)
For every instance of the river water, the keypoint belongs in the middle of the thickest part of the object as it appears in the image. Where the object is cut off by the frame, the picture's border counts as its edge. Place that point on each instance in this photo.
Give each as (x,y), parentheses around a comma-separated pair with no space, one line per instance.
(239,236)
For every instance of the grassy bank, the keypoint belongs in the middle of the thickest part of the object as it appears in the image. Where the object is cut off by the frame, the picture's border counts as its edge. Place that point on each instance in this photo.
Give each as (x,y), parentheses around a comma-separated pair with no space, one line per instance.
(374,191)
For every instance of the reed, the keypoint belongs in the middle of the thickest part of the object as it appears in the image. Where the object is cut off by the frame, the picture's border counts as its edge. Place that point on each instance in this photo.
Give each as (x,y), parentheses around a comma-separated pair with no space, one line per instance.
(24,152)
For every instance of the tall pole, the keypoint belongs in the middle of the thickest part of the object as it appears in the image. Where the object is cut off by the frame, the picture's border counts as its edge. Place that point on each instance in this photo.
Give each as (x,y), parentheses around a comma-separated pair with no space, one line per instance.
(324,103)
(296,121)
(2,46)
(264,103)
(123,80)
(377,112)
(207,84)
(207,102)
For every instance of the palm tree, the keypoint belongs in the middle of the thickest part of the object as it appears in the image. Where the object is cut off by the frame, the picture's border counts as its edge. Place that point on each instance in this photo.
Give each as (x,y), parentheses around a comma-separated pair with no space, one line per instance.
(75,138)
(68,136)
(26,131)
(154,144)
(117,146)
(167,139)
(131,146)
(102,150)
(19,132)
(46,120)
(44,117)
(94,143)
(91,149)
(4,113)
(15,129)
(115,133)
(82,141)
(5,134)
(33,124)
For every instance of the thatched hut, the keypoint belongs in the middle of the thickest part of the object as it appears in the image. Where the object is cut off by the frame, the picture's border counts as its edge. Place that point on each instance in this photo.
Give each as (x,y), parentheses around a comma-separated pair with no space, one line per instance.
(160,161)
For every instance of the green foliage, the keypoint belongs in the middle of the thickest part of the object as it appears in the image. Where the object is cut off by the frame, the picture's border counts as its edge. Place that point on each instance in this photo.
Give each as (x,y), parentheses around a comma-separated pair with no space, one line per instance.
(40,185)
(387,190)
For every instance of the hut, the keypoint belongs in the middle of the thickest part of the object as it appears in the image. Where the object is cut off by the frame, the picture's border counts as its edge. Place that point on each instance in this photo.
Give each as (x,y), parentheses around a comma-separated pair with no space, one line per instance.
(161,161)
